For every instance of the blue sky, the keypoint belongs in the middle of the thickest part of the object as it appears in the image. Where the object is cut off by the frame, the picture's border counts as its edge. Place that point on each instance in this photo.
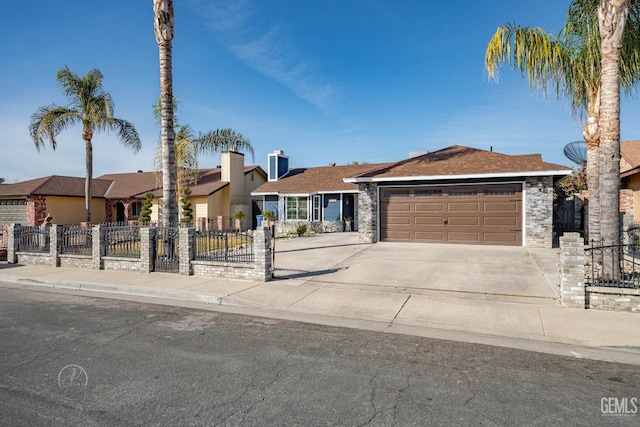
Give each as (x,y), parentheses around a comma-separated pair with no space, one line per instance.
(325,81)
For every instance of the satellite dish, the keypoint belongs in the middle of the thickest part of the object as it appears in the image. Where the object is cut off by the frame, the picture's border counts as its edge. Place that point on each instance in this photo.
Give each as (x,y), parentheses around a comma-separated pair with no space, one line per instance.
(576,152)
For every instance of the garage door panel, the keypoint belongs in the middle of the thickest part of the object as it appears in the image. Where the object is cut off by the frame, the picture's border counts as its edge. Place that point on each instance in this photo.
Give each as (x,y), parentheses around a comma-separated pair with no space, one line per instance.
(399,207)
(428,207)
(463,207)
(501,207)
(396,220)
(501,238)
(397,235)
(428,220)
(500,222)
(477,214)
(429,236)
(463,237)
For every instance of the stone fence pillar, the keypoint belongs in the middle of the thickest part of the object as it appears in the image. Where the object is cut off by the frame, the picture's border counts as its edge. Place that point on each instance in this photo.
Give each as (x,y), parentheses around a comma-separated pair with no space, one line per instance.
(55,243)
(263,270)
(98,245)
(572,290)
(13,243)
(147,248)
(187,250)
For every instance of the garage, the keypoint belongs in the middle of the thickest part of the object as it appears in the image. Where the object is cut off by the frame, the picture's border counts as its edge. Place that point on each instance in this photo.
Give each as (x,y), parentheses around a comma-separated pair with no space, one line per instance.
(483,214)
(13,211)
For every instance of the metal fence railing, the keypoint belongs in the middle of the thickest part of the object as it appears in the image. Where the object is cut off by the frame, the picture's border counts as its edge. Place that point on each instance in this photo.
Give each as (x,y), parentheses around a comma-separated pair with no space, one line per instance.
(224,246)
(123,240)
(34,239)
(616,266)
(76,240)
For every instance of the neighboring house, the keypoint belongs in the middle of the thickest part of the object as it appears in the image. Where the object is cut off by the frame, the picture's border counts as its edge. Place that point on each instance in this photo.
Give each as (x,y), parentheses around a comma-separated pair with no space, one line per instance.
(315,196)
(219,192)
(29,202)
(454,195)
(630,170)
(118,197)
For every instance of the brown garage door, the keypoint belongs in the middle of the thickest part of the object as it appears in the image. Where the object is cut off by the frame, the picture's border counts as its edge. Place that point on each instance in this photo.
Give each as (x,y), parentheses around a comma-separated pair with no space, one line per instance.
(475,214)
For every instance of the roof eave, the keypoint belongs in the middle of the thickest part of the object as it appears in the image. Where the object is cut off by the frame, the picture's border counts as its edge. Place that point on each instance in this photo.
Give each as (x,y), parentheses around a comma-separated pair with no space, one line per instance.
(359,180)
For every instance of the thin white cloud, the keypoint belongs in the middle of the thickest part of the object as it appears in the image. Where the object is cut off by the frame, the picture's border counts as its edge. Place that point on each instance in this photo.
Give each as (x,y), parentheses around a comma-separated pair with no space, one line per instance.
(266,49)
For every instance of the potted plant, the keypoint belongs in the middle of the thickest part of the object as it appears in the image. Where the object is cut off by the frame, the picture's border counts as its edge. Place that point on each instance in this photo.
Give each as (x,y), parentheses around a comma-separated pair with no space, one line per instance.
(268,217)
(347,223)
(239,217)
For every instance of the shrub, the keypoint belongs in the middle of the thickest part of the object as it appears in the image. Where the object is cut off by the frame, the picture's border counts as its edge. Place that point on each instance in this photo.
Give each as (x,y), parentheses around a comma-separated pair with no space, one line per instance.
(145,210)
(301,229)
(187,212)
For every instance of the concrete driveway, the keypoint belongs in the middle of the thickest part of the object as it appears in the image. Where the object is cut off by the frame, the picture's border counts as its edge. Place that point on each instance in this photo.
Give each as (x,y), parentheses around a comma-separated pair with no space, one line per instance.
(499,273)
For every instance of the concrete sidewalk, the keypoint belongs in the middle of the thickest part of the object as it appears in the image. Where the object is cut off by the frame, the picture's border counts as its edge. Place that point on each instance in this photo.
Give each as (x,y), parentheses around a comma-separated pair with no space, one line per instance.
(593,334)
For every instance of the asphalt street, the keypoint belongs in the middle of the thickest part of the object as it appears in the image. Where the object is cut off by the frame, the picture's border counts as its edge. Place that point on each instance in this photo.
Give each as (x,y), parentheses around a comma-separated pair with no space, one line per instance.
(74,360)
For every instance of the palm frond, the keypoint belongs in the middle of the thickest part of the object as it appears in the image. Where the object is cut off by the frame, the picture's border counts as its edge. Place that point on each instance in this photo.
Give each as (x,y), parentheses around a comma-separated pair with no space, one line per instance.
(48,122)
(127,133)
(220,140)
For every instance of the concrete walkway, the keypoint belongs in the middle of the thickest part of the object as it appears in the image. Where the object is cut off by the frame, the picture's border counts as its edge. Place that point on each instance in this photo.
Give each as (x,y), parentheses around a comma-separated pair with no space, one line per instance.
(491,295)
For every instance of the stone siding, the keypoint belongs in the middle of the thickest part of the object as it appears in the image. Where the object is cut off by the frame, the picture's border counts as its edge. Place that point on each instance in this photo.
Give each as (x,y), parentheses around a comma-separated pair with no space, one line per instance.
(539,212)
(76,261)
(223,270)
(284,228)
(122,264)
(614,299)
(368,212)
(34,258)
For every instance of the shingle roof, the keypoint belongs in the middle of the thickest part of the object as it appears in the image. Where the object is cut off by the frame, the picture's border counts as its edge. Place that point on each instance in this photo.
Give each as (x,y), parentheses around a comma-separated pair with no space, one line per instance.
(130,185)
(460,160)
(630,150)
(55,185)
(136,185)
(315,179)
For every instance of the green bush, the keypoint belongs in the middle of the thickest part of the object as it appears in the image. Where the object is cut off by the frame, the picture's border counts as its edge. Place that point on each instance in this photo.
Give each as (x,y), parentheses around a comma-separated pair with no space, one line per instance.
(187,212)
(301,229)
(145,210)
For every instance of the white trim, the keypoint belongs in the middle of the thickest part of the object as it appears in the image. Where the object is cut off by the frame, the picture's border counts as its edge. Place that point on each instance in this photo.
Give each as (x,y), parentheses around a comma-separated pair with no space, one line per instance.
(452,177)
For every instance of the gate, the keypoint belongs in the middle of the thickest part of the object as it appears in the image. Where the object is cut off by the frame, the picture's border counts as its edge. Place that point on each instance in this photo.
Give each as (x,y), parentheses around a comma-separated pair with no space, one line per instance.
(166,250)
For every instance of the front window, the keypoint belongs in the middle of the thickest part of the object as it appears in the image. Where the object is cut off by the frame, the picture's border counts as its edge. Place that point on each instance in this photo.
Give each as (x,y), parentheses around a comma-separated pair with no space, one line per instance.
(297,208)
(316,208)
(136,208)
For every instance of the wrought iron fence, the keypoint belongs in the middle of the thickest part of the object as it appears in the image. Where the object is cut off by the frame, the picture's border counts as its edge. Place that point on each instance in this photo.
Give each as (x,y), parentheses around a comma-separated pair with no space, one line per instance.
(123,240)
(34,238)
(167,250)
(224,246)
(616,266)
(221,223)
(76,239)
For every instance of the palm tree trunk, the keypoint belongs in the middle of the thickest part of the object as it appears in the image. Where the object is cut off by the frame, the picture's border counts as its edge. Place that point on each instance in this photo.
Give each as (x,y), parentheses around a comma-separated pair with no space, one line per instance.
(88,181)
(164,21)
(592,138)
(612,16)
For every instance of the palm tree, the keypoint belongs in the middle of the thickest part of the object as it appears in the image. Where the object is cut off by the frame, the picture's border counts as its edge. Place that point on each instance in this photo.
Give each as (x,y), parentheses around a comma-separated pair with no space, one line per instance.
(92,107)
(568,64)
(163,25)
(189,145)
(612,18)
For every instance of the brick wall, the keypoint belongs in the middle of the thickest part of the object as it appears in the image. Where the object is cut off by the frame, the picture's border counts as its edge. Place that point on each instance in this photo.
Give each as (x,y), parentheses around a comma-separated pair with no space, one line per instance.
(36,210)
